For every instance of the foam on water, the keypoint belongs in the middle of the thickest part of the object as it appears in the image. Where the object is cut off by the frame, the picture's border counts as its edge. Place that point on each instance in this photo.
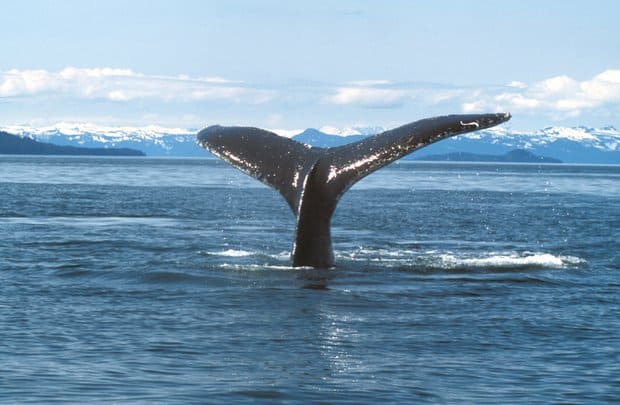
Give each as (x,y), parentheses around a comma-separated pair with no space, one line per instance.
(513,260)
(90,221)
(247,253)
(436,260)
(254,267)
(232,253)
(448,260)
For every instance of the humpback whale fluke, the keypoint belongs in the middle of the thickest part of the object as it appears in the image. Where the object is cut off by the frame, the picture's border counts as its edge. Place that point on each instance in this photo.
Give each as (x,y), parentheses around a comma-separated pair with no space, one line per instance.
(312,179)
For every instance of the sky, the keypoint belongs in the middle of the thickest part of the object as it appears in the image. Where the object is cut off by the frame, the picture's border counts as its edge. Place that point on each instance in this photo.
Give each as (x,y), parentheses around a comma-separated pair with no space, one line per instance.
(298,64)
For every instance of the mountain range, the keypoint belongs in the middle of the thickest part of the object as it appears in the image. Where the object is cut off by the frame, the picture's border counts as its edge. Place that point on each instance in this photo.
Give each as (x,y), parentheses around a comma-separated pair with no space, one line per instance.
(15,145)
(514,156)
(570,145)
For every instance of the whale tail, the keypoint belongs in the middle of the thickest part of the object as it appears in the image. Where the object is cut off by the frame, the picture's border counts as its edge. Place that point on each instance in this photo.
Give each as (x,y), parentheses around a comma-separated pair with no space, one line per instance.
(312,179)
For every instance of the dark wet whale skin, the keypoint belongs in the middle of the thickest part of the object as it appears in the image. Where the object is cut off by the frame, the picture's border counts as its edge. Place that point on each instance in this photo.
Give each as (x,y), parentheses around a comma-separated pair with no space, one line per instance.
(312,179)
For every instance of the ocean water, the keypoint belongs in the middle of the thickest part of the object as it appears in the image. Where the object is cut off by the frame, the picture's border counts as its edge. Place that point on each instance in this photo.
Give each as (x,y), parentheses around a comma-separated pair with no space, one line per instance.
(169,281)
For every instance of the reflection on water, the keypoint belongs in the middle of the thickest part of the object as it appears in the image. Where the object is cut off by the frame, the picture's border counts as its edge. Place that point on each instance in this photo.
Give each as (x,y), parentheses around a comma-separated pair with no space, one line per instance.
(337,336)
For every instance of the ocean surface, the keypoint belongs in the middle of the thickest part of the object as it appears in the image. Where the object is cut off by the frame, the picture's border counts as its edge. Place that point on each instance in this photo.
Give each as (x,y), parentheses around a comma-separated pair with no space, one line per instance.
(169,281)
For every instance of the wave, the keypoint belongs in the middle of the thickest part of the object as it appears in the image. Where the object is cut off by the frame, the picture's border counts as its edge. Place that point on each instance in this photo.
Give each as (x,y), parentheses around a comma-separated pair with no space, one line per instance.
(88,221)
(512,261)
(422,261)
(255,267)
(450,261)
(232,253)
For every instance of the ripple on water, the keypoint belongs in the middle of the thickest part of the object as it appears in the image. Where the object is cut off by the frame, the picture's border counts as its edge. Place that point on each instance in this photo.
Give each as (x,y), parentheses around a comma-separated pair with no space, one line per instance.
(134,291)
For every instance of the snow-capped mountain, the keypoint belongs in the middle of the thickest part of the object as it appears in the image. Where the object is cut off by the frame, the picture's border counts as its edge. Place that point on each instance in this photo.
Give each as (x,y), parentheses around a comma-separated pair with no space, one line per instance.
(350,131)
(571,145)
(152,140)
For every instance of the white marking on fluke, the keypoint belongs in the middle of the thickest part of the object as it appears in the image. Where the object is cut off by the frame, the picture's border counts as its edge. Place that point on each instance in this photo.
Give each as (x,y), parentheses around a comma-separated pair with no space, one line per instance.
(469,123)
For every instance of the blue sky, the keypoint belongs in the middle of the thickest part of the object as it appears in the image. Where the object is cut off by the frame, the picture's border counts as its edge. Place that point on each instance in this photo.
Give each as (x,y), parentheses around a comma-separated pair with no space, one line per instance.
(298,64)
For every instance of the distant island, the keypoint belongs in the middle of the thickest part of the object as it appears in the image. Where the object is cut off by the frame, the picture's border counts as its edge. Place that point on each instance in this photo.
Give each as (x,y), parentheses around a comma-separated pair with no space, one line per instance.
(514,156)
(15,145)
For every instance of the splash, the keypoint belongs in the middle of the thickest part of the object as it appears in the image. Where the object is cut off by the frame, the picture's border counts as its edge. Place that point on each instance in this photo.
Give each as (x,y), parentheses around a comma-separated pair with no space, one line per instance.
(511,261)
(448,260)
(232,253)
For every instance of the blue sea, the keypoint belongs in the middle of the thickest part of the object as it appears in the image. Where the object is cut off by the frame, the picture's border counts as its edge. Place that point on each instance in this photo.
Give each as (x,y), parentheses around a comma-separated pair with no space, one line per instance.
(144,280)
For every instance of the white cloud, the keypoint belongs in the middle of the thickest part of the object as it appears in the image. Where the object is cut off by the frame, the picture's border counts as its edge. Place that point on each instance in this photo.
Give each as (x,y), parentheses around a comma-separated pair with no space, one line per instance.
(517,84)
(387,94)
(517,100)
(559,85)
(118,95)
(370,82)
(17,83)
(368,97)
(435,95)
(471,107)
(124,85)
(603,87)
(70,73)
(558,97)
